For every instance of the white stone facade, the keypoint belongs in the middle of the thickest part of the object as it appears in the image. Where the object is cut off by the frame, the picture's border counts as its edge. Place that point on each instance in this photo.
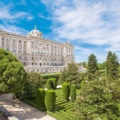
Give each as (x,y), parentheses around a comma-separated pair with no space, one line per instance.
(38,54)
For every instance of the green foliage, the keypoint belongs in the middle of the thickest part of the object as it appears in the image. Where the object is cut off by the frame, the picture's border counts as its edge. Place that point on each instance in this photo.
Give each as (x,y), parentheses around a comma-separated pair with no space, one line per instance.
(102,66)
(82,77)
(66,90)
(73,93)
(12,73)
(49,84)
(54,81)
(71,74)
(96,100)
(84,64)
(32,83)
(112,65)
(53,75)
(40,99)
(92,66)
(50,99)
(82,84)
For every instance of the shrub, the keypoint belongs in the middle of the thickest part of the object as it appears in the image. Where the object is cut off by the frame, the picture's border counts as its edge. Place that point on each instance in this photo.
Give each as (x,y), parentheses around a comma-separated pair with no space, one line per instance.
(32,83)
(12,73)
(82,84)
(73,93)
(50,99)
(49,84)
(53,75)
(40,99)
(54,82)
(66,90)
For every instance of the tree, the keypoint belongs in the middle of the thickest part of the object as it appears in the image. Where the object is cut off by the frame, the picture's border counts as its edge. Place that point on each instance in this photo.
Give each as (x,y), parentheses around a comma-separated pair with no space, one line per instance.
(12,73)
(108,62)
(70,74)
(96,101)
(112,65)
(32,83)
(92,66)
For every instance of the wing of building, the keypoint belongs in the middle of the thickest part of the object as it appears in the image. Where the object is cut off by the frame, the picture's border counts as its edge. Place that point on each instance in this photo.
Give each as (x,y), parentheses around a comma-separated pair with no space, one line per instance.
(36,53)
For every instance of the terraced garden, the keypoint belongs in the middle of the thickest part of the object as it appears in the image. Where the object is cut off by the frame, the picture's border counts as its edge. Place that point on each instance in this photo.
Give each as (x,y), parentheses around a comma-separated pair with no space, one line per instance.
(64,108)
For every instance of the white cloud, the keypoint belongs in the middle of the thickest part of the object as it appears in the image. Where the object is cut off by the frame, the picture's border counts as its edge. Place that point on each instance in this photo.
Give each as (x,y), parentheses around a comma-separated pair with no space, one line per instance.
(6,14)
(9,17)
(13,29)
(87,22)
(30,18)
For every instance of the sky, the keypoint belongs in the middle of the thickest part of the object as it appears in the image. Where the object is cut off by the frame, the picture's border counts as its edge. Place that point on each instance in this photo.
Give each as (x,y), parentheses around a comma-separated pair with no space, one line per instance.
(92,26)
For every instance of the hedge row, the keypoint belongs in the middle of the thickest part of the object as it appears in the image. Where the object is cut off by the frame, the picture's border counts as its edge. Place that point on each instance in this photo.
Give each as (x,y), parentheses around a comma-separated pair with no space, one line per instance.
(51,83)
(45,99)
(66,90)
(50,100)
(40,98)
(73,93)
(69,91)
(53,75)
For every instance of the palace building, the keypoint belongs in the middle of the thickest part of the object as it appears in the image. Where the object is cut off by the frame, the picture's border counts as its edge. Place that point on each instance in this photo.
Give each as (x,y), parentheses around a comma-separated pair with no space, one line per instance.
(36,53)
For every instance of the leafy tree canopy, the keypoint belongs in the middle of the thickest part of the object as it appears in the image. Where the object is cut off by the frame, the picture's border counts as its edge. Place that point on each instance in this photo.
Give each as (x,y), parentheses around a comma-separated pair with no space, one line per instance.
(70,74)
(12,73)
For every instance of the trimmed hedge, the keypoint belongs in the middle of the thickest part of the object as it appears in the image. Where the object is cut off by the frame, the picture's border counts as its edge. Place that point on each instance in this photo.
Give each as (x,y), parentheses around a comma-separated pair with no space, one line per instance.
(53,75)
(66,90)
(54,81)
(49,84)
(73,93)
(40,99)
(50,99)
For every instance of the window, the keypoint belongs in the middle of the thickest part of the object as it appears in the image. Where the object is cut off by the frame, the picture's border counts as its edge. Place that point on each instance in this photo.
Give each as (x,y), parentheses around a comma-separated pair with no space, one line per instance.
(7,49)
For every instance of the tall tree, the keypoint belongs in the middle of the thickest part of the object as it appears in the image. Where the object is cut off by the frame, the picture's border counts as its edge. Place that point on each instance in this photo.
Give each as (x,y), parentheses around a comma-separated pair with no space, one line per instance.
(108,61)
(112,65)
(92,66)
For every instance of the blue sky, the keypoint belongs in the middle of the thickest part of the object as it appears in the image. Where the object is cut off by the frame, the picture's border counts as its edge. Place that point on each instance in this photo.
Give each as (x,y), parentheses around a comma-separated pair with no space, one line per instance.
(92,26)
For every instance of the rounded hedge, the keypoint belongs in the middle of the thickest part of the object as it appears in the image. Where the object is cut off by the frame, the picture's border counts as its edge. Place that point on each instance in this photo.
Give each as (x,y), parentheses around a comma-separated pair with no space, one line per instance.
(66,90)
(73,93)
(40,99)
(50,99)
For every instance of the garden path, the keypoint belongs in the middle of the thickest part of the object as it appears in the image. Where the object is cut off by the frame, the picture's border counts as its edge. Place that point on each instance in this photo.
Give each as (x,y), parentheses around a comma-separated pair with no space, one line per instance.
(17,110)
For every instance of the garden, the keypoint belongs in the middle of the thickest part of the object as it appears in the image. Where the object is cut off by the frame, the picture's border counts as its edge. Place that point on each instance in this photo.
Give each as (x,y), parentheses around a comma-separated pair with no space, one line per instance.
(94,95)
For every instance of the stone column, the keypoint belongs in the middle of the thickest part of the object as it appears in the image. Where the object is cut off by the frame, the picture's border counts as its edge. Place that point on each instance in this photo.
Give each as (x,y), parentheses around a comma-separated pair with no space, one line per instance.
(11,45)
(17,46)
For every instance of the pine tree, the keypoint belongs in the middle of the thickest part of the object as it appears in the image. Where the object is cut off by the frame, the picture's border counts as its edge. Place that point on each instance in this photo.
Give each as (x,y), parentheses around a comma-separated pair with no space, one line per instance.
(108,62)
(92,66)
(112,65)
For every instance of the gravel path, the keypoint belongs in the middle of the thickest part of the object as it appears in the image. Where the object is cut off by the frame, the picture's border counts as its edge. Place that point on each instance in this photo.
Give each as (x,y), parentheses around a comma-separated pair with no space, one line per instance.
(17,110)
